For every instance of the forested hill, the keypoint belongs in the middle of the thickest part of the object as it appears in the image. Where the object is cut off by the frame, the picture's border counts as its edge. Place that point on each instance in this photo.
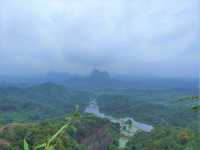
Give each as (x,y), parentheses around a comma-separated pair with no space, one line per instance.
(90,133)
(23,111)
(49,100)
(39,102)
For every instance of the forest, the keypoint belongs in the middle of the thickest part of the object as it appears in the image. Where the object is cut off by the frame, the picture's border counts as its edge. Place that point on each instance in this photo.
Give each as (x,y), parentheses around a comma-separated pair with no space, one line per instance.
(36,112)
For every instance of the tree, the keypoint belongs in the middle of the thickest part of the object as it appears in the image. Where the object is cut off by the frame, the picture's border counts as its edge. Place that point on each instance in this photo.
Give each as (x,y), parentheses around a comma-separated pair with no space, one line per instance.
(195,99)
(49,144)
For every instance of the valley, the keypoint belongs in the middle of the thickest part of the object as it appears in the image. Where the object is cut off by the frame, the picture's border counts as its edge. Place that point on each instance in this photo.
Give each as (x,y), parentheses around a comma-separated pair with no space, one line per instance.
(113,118)
(99,75)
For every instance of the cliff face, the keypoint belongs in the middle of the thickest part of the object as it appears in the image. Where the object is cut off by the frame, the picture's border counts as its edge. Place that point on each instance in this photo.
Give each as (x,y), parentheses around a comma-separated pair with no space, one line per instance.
(97,134)
(99,139)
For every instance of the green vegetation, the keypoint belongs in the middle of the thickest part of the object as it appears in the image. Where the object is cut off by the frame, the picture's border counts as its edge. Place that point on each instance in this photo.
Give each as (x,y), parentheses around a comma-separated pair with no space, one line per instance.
(47,101)
(86,134)
(49,144)
(39,102)
(36,114)
(190,98)
(166,138)
(195,100)
(155,107)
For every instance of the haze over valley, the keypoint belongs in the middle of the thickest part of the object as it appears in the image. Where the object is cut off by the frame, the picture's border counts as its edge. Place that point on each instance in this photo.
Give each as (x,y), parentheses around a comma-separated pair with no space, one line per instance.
(99,75)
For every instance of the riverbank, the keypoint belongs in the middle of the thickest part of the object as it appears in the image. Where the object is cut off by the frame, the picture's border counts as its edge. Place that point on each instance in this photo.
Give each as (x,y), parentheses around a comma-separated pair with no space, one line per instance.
(128,126)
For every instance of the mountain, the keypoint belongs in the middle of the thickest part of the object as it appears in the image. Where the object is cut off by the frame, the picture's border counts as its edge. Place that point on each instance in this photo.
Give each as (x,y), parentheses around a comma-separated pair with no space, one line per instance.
(96,79)
(97,75)
(100,79)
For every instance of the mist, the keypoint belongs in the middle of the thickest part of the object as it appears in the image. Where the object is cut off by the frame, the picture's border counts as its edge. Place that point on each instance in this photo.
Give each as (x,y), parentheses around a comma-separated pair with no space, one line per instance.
(155,38)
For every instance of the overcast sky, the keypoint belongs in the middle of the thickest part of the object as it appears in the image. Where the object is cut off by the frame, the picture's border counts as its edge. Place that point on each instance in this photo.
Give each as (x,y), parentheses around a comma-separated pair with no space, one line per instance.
(135,37)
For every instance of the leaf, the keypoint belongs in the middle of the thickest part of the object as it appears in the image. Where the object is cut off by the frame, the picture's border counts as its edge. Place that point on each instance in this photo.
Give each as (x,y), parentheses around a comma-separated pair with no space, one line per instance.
(73,128)
(40,146)
(26,146)
(48,146)
(51,148)
(76,115)
(57,133)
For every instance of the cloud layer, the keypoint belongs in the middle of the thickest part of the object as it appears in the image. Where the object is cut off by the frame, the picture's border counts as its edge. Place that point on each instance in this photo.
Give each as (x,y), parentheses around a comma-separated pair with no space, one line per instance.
(139,37)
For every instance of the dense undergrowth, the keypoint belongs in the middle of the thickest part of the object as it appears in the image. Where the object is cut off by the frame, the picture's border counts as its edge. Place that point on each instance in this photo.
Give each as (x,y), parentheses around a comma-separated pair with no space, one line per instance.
(166,138)
(87,134)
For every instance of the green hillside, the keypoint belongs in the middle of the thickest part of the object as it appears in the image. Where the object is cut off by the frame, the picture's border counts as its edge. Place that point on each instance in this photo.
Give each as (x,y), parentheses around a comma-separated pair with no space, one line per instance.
(39,102)
(91,133)
(36,113)
(166,138)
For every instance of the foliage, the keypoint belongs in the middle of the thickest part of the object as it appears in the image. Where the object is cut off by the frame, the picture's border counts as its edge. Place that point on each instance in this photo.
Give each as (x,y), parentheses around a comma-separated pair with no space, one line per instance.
(151,106)
(73,137)
(190,98)
(48,101)
(49,144)
(166,138)
(195,100)
(39,102)
(155,107)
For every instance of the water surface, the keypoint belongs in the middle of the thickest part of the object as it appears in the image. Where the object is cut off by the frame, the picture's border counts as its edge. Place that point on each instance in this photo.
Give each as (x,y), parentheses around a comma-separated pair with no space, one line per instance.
(128,126)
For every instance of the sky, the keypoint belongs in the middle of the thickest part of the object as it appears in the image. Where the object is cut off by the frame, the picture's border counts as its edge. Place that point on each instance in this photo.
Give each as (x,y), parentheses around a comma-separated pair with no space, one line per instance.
(135,37)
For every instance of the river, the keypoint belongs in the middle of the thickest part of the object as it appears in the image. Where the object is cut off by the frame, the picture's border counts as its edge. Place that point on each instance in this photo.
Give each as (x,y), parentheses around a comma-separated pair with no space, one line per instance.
(128,126)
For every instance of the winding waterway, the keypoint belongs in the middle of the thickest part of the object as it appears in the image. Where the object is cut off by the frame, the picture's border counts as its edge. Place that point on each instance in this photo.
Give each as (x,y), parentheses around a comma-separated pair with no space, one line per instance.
(128,126)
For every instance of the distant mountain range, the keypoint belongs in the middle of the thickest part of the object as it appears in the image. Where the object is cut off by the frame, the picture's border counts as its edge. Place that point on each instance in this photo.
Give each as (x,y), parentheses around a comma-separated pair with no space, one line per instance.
(95,79)
(100,79)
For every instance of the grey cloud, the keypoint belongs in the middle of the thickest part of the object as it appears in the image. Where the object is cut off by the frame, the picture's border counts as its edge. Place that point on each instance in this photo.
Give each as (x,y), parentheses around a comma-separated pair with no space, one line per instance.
(135,37)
